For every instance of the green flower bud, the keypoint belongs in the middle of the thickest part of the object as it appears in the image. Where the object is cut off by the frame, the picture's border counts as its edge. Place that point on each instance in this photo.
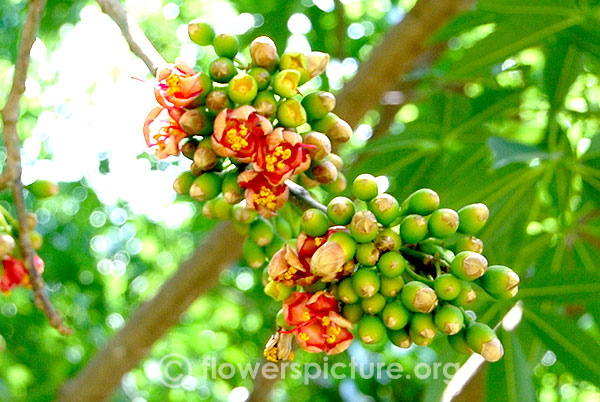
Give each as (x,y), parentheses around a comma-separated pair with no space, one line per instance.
(253,254)
(468,243)
(324,172)
(371,330)
(468,265)
(264,53)
(364,187)
(37,241)
(201,32)
(206,83)
(314,222)
(222,70)
(318,104)
(322,145)
(183,183)
(262,77)
(472,218)
(189,147)
(449,319)
(261,232)
(317,286)
(285,83)
(443,223)
(385,207)
(346,242)
(423,326)
(241,228)
(421,202)
(329,259)
(336,160)
(232,192)
(338,185)
(223,210)
(340,210)
(367,254)
(374,304)
(364,227)
(395,315)
(218,100)
(413,229)
(346,291)
(283,227)
(291,114)
(400,338)
(467,295)
(447,286)
(226,45)
(243,214)
(295,61)
(391,264)
(418,297)
(278,291)
(500,282)
(323,125)
(265,104)
(276,245)
(366,282)
(388,240)
(341,132)
(7,245)
(317,63)
(391,287)
(206,187)
(483,340)
(196,121)
(43,188)
(205,157)
(459,343)
(353,312)
(242,89)
(208,209)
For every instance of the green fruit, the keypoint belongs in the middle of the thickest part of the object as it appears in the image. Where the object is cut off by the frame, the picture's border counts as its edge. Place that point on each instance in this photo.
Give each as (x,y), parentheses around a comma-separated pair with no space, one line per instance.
(218,100)
(265,104)
(364,227)
(366,282)
(364,187)
(43,188)
(340,210)
(468,243)
(467,295)
(206,187)
(447,286)
(422,202)
(275,245)
(423,326)
(459,343)
(468,265)
(500,281)
(413,229)
(223,210)
(201,32)
(443,223)
(385,207)
(472,218)
(367,254)
(183,183)
(242,89)
(371,330)
(226,45)
(314,222)
(295,61)
(285,83)
(222,70)
(418,297)
(352,312)
(388,240)
(346,291)
(261,232)
(346,242)
(391,264)
(391,287)
(374,304)
(395,315)
(262,77)
(483,340)
(278,290)
(231,189)
(449,319)
(400,338)
(244,214)
(253,254)
(318,104)
(291,114)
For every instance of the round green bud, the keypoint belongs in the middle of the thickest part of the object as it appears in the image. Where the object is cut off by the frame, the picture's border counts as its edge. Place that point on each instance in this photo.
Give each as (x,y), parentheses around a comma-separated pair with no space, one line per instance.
(353,312)
(367,254)
(208,209)
(295,61)
(366,282)
(261,232)
(374,304)
(325,124)
(242,89)
(262,77)
(37,241)
(323,172)
(232,193)
(447,286)
(318,104)
(183,183)
(483,340)
(285,83)
(400,338)
(443,223)
(468,243)
(189,148)
(391,287)
(201,32)
(385,207)
(340,210)
(264,53)
(422,202)
(222,70)
(371,330)
(275,245)
(472,218)
(423,326)
(338,185)
(223,210)
(364,187)
(283,227)
(413,229)
(391,264)
(449,319)
(340,132)
(265,104)
(346,242)
(218,100)
(395,315)
(243,214)
(291,114)
(278,290)
(468,265)
(467,295)
(388,240)
(43,188)
(241,228)
(418,297)
(314,222)
(196,121)
(253,254)
(346,291)
(500,281)
(364,227)
(206,187)
(317,286)
(321,145)
(226,45)
(206,85)
(459,343)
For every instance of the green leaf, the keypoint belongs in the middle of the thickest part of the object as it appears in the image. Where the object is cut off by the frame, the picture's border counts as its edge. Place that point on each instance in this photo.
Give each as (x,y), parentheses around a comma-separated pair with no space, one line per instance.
(530,7)
(505,152)
(463,22)
(563,65)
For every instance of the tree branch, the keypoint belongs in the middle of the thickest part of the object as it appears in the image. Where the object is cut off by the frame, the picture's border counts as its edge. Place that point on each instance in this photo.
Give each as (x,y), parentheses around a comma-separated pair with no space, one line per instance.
(11,176)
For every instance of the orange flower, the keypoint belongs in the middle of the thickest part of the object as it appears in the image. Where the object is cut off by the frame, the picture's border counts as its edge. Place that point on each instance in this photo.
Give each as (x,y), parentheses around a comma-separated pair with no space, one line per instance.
(162,129)
(240,133)
(178,86)
(15,274)
(261,195)
(285,267)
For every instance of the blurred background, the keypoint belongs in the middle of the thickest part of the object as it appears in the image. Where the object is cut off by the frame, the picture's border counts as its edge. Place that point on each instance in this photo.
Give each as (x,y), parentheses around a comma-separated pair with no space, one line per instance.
(502,108)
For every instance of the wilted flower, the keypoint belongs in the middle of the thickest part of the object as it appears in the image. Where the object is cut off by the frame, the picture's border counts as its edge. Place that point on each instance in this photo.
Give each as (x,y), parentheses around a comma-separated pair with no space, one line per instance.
(161,129)
(15,274)
(178,86)
(279,347)
(261,195)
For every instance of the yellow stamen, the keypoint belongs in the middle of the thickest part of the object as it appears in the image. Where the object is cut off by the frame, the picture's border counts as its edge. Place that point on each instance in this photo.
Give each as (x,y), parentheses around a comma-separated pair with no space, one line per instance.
(265,198)
(276,159)
(318,241)
(304,336)
(271,354)
(326,321)
(306,316)
(331,339)
(174,83)
(236,138)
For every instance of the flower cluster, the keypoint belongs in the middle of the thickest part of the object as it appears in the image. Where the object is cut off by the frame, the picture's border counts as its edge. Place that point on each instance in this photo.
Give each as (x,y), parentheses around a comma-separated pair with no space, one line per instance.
(14,273)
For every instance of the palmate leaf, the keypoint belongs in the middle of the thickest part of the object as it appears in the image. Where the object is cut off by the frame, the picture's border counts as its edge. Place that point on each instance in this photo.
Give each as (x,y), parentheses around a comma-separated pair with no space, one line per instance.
(505,152)
(563,65)
(530,7)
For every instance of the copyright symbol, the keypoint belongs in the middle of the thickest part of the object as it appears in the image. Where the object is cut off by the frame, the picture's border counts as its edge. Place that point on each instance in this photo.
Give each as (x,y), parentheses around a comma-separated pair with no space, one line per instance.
(174,368)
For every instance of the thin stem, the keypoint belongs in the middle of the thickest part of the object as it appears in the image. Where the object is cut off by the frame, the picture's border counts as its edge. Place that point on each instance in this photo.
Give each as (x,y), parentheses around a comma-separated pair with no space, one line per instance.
(409,270)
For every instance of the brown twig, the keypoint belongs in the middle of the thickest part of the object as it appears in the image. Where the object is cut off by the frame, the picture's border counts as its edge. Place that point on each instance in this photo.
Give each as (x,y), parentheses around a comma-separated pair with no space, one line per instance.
(12,173)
